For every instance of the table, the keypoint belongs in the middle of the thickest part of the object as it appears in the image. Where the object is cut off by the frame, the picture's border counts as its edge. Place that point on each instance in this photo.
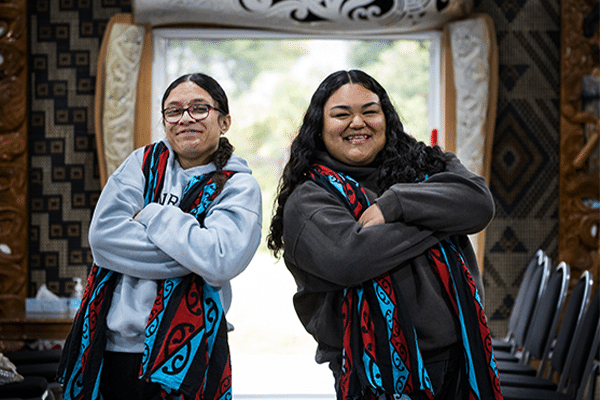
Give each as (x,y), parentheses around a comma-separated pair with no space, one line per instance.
(30,326)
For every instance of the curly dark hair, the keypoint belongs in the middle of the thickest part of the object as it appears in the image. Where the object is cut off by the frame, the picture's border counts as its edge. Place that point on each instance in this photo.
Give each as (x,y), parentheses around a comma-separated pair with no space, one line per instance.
(214,89)
(403,158)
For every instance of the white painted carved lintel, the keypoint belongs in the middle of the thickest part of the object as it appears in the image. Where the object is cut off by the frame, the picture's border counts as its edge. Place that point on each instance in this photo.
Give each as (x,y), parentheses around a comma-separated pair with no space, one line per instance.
(308,16)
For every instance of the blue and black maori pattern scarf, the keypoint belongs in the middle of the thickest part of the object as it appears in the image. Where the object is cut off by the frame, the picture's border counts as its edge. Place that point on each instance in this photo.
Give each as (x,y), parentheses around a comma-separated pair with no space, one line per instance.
(186,348)
(381,357)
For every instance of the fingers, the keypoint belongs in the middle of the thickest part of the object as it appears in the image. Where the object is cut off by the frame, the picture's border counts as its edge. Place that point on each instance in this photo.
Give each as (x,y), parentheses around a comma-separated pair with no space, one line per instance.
(371,216)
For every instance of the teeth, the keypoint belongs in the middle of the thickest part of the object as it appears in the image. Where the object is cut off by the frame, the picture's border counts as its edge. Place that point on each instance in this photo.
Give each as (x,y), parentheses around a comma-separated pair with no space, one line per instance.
(357,138)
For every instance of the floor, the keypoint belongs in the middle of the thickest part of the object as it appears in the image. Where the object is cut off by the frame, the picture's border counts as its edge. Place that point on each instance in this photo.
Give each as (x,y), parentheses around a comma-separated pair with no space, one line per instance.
(280,377)
(272,355)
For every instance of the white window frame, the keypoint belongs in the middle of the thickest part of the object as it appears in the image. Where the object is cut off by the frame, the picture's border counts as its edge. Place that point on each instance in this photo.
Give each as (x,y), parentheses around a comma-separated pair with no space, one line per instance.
(161,38)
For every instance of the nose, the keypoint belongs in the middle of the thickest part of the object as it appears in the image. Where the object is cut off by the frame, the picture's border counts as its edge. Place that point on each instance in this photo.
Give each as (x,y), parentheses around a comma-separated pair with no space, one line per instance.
(186,117)
(357,121)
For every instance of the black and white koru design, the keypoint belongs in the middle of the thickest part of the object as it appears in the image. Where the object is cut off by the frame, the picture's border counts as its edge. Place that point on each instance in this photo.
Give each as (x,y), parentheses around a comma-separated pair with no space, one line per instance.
(383,12)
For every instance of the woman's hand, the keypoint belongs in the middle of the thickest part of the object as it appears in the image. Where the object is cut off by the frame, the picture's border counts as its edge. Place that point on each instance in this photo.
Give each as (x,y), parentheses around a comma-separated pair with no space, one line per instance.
(371,216)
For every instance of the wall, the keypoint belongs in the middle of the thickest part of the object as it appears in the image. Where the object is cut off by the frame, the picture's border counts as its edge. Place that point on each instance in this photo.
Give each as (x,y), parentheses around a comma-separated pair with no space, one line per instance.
(64,182)
(524,171)
(65,39)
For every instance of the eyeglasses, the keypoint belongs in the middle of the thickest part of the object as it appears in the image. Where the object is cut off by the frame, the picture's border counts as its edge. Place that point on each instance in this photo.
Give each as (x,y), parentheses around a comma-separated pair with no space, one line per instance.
(198,112)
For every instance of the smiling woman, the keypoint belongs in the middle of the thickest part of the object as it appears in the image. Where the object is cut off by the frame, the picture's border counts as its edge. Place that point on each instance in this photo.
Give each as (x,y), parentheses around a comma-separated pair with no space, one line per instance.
(372,225)
(177,220)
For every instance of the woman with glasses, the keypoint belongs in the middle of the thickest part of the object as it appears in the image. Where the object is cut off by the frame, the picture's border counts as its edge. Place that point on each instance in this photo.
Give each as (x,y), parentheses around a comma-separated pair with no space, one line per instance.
(175,223)
(372,226)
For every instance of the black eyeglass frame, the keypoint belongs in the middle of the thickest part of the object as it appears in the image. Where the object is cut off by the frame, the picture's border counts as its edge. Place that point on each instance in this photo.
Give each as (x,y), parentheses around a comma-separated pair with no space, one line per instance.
(187,109)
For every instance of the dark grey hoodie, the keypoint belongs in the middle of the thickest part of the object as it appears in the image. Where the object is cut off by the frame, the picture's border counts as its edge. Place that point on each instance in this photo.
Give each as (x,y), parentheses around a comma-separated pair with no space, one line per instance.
(326,249)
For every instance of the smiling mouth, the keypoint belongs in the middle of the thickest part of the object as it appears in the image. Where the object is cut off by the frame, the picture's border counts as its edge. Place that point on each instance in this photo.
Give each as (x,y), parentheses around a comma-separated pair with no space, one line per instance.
(188,131)
(357,139)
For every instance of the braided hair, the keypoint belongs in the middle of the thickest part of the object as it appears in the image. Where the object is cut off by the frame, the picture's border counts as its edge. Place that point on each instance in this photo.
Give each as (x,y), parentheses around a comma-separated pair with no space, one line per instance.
(403,158)
(220,158)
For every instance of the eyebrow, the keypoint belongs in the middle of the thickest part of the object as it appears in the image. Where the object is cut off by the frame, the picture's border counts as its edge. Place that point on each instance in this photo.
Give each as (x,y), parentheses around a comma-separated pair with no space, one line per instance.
(366,105)
(194,101)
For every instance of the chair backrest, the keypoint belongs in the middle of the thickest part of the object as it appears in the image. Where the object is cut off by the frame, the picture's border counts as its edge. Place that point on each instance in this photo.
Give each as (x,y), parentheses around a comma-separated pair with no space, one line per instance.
(546,315)
(588,382)
(525,286)
(583,351)
(539,281)
(575,309)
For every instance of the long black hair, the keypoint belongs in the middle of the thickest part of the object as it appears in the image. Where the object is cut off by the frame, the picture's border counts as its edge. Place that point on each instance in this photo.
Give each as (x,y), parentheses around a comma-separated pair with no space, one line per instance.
(403,158)
(214,89)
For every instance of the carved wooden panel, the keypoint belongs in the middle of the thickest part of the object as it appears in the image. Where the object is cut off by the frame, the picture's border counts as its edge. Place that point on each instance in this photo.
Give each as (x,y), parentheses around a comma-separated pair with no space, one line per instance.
(314,17)
(579,215)
(13,156)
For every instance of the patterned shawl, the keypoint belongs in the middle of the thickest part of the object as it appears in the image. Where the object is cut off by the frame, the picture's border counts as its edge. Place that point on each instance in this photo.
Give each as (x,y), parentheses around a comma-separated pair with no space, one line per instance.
(185,348)
(381,357)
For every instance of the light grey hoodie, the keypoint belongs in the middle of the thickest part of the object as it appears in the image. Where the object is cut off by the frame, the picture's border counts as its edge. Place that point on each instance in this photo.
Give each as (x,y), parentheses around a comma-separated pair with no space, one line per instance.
(164,242)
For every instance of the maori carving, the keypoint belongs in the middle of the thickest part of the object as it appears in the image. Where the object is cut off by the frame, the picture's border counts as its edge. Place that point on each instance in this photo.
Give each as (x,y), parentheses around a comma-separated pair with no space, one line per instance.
(384,13)
(473,55)
(579,211)
(13,157)
(12,279)
(471,79)
(124,52)
(12,60)
(314,16)
(12,145)
(12,98)
(13,21)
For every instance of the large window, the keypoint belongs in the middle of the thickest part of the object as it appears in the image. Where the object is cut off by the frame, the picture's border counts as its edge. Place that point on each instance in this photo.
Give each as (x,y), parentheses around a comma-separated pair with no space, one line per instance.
(269,80)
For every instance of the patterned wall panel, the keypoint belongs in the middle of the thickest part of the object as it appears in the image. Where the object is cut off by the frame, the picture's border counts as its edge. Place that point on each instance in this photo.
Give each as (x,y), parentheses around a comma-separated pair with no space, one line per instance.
(524,171)
(65,39)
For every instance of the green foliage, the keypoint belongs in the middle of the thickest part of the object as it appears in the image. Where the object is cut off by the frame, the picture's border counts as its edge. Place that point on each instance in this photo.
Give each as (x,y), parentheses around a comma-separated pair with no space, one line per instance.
(403,70)
(240,61)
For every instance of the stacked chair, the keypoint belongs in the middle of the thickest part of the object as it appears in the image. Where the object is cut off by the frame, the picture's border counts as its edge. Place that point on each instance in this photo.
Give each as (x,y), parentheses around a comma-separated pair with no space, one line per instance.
(30,388)
(38,368)
(531,288)
(541,329)
(562,337)
(574,312)
(579,366)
